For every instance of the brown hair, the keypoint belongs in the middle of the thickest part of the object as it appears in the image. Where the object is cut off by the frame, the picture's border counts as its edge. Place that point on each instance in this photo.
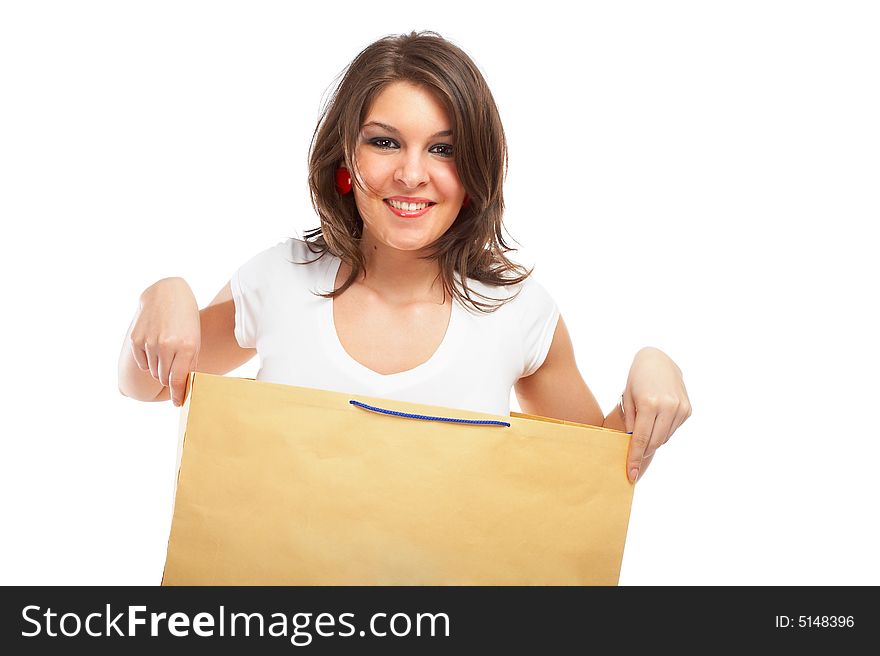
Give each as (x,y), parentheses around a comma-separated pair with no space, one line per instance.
(473,245)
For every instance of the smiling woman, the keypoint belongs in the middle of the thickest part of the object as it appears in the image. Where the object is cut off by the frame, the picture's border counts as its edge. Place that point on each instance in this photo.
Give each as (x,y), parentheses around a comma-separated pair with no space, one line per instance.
(411,296)
(414,113)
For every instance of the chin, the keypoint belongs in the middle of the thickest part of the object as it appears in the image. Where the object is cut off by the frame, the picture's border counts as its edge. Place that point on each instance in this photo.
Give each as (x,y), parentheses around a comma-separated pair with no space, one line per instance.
(403,238)
(403,243)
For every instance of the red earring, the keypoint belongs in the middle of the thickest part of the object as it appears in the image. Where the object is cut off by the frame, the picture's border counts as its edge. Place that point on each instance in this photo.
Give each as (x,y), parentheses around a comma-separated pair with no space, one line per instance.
(467,202)
(343,180)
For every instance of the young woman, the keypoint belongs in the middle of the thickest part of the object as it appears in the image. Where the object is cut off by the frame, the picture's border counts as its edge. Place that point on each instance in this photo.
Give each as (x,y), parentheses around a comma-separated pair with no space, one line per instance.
(404,292)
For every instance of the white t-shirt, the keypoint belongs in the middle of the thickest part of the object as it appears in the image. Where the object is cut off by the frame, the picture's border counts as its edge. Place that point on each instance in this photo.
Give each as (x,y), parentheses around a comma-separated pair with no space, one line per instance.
(480,358)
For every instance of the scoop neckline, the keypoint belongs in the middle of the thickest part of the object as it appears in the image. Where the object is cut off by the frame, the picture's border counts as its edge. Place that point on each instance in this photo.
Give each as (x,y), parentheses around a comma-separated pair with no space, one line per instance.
(361,370)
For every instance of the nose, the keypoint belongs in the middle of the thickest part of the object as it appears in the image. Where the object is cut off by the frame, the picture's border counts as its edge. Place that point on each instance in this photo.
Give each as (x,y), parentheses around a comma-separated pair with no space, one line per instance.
(412,170)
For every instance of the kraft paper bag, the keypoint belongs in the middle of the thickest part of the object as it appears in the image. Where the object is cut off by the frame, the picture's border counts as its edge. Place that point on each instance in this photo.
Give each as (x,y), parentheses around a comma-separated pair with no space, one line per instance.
(282,485)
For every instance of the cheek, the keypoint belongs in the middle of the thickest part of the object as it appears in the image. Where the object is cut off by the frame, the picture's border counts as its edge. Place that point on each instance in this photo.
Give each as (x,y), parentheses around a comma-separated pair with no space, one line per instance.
(448,182)
(374,171)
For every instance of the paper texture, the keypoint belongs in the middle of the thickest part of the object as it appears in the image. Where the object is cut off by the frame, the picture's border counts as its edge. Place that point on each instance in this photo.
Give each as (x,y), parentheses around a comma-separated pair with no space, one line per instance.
(282,485)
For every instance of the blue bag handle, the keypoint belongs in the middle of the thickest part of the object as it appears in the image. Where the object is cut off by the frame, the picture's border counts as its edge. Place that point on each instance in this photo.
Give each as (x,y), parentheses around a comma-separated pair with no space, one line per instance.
(481,422)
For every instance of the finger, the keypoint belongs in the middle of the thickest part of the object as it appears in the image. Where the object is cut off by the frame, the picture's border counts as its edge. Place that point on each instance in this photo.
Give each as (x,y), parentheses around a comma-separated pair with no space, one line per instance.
(660,433)
(180,368)
(644,467)
(679,419)
(152,359)
(641,437)
(140,357)
(166,357)
(684,412)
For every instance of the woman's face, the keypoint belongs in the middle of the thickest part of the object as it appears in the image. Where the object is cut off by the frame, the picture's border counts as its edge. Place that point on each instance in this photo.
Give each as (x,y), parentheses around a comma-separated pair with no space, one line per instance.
(405,159)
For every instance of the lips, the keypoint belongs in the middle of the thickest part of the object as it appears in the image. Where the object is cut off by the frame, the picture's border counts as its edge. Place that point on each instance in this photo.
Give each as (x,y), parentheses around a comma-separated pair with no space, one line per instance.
(407,213)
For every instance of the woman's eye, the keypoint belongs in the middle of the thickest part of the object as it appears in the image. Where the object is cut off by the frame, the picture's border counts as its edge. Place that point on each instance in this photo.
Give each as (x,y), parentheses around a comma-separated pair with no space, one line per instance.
(382,143)
(444,150)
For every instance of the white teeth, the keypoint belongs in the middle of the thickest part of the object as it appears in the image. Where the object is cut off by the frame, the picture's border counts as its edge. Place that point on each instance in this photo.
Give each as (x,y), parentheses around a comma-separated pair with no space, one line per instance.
(407,207)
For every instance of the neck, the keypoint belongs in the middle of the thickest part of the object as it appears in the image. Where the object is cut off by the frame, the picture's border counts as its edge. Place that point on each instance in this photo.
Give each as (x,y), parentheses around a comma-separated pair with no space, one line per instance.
(399,276)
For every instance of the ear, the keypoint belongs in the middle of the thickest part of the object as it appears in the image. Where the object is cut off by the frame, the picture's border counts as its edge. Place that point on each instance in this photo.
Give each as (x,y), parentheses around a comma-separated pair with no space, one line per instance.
(343,180)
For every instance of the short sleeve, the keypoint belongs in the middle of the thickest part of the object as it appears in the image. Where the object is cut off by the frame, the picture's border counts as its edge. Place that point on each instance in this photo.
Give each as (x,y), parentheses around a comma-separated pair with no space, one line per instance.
(250,286)
(538,318)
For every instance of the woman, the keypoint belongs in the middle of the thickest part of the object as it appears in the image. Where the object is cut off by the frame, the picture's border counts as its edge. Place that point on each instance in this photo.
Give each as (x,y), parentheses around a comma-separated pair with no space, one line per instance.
(404,292)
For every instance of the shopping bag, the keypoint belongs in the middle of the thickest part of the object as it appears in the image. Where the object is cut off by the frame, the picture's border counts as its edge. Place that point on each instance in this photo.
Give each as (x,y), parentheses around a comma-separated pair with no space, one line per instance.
(283,485)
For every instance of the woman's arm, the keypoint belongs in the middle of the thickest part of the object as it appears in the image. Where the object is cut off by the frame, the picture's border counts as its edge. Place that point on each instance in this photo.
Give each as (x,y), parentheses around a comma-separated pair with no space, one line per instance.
(655,400)
(217,352)
(557,388)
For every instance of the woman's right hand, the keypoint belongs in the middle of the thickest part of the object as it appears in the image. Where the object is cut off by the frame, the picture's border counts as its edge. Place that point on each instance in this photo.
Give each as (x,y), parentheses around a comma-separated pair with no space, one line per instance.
(166,335)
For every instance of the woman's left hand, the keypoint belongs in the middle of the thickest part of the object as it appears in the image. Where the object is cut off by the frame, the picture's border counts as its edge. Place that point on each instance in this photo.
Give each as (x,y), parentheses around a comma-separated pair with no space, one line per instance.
(655,404)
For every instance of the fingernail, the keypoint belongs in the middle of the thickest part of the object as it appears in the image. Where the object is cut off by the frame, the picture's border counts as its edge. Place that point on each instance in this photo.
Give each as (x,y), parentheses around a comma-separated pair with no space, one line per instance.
(633,474)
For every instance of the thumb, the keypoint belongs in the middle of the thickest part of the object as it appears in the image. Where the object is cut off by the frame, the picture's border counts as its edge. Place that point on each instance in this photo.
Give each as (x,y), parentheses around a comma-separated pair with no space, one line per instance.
(629,411)
(179,374)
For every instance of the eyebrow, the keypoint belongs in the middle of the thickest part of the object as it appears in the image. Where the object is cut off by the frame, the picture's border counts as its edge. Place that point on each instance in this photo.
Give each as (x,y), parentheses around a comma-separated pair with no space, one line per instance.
(384,126)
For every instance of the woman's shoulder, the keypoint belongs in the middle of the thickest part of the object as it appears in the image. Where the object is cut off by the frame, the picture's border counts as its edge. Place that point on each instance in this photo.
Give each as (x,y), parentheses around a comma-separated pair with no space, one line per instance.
(299,251)
(516,299)
(287,261)
(292,250)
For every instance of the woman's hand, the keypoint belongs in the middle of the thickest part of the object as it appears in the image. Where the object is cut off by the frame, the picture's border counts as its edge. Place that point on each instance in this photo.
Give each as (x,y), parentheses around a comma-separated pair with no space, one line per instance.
(166,335)
(655,404)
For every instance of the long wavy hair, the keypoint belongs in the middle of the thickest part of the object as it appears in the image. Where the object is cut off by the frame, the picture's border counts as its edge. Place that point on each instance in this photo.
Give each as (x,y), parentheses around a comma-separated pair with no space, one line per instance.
(473,246)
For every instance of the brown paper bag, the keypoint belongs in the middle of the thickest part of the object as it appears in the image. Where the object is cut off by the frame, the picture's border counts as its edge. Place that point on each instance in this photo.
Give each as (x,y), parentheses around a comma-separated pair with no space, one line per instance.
(282,485)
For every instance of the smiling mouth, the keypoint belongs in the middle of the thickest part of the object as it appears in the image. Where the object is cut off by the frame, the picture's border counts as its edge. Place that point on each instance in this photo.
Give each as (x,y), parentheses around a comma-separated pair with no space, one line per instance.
(408,210)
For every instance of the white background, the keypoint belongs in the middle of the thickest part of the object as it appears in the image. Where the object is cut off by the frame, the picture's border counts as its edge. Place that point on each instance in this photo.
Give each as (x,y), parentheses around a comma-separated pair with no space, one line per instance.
(697,176)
